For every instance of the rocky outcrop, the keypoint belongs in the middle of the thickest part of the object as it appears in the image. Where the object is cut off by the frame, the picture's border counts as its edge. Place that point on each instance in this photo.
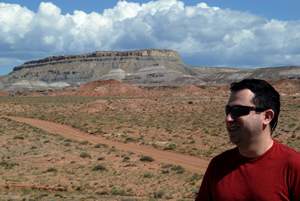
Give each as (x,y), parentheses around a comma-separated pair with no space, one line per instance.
(88,67)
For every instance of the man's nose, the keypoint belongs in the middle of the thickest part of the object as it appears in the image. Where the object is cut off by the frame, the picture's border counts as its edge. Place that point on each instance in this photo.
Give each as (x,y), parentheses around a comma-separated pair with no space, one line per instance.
(229,117)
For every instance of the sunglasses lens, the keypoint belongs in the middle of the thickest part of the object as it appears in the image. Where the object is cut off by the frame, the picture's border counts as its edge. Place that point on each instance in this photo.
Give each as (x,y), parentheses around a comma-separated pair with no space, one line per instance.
(237,111)
(227,110)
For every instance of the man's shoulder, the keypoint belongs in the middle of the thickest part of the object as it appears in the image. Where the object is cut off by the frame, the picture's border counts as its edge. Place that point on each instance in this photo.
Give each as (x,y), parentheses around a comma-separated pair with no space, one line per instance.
(285,150)
(287,154)
(229,154)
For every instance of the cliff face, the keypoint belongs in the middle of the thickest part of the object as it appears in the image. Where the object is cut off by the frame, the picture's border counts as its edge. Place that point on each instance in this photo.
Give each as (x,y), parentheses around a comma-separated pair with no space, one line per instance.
(89,67)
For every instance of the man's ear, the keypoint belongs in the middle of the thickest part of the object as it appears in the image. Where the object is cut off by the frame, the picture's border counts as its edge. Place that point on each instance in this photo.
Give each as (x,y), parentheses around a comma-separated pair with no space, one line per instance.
(269,115)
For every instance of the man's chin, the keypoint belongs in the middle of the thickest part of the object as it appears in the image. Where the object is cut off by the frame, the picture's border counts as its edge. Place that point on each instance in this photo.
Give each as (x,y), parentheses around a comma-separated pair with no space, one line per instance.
(234,140)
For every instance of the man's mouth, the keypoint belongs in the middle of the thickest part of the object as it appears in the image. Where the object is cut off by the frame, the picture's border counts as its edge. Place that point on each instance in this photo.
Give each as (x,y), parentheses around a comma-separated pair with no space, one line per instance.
(232,128)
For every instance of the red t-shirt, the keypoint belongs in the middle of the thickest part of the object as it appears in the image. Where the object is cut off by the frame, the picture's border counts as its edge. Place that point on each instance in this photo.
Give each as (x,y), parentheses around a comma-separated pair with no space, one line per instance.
(273,176)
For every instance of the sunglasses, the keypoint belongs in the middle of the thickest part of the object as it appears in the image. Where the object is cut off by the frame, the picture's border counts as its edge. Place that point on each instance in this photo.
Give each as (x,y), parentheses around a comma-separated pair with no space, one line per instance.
(239,110)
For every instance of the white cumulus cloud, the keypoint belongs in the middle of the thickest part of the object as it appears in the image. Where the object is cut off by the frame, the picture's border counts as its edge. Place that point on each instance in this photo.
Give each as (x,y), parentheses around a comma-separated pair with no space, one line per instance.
(203,35)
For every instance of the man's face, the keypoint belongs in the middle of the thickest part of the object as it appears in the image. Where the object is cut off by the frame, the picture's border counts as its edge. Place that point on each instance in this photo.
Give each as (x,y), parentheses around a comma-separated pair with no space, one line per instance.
(247,128)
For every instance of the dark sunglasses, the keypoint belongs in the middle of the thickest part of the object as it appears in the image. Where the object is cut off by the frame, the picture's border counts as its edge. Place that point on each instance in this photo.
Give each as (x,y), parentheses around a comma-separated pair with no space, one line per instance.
(239,110)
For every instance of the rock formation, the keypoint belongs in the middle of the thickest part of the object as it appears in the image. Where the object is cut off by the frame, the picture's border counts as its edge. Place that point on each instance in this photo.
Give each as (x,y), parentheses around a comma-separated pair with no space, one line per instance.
(88,67)
(144,68)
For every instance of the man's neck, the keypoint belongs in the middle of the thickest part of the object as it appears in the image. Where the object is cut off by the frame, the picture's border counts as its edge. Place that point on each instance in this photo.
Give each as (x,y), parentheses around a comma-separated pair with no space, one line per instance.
(257,148)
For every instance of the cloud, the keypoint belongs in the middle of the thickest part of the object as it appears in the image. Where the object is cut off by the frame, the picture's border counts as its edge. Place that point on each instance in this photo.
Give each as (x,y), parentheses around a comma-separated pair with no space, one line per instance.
(203,35)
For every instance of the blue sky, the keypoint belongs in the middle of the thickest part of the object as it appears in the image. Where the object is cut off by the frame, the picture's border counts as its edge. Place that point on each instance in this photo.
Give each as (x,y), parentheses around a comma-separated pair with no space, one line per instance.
(229,33)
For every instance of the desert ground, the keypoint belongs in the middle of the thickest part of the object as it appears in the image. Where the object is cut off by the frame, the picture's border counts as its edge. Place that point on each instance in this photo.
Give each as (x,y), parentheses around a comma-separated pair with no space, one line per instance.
(113,141)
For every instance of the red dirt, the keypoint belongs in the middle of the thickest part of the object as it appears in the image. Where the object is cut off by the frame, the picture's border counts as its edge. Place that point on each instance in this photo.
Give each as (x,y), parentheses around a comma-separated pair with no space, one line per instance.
(190,163)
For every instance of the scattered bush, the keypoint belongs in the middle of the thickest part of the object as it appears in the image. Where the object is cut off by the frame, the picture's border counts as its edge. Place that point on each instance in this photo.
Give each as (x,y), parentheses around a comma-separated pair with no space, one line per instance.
(147,159)
(195,190)
(85,155)
(101,158)
(196,177)
(148,175)
(115,191)
(129,139)
(158,194)
(84,143)
(18,137)
(180,169)
(126,158)
(170,147)
(51,170)
(102,193)
(167,165)
(99,168)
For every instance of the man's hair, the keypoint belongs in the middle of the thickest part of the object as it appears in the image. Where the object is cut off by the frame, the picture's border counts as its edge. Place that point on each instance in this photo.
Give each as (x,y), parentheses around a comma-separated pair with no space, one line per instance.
(265,96)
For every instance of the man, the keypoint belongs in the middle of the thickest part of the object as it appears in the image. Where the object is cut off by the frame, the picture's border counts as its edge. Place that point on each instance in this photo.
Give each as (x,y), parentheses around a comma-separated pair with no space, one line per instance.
(259,168)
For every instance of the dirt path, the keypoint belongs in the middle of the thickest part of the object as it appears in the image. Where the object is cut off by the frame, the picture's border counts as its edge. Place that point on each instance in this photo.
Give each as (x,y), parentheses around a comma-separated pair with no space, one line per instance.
(190,163)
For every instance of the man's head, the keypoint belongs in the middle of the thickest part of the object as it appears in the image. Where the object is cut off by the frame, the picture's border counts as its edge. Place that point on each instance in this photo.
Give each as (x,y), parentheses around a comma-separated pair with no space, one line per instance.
(265,96)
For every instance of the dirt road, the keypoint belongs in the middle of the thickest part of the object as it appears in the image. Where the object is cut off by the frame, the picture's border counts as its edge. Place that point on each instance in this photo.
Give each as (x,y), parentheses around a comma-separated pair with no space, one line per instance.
(190,163)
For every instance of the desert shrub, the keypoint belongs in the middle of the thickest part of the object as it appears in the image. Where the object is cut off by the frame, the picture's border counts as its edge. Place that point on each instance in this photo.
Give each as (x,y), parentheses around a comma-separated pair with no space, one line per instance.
(122,192)
(33,147)
(167,165)
(68,140)
(59,195)
(195,190)
(148,175)
(102,193)
(179,169)
(85,155)
(129,139)
(18,137)
(97,146)
(115,191)
(99,168)
(101,158)
(51,170)
(126,158)
(158,194)
(196,177)
(3,163)
(147,159)
(13,164)
(84,143)
(170,147)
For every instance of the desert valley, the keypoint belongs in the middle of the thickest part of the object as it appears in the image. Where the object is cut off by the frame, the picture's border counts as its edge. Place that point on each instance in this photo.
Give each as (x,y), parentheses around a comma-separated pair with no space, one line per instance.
(108,139)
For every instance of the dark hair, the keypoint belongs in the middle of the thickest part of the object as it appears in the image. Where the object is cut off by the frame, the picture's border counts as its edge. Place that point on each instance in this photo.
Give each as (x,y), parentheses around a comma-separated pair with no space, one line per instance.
(265,96)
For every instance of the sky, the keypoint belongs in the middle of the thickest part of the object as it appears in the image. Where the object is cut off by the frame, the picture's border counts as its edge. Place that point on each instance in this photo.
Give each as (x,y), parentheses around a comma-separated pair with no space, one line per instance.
(218,33)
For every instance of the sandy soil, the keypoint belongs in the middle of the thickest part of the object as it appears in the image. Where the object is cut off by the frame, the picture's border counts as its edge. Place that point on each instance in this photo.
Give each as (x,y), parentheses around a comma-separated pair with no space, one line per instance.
(190,163)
